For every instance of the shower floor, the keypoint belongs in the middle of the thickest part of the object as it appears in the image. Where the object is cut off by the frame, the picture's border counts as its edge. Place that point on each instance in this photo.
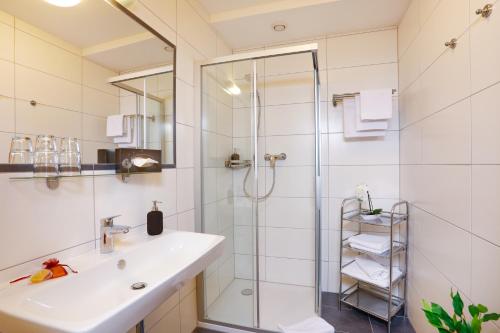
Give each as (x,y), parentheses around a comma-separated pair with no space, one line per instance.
(275,304)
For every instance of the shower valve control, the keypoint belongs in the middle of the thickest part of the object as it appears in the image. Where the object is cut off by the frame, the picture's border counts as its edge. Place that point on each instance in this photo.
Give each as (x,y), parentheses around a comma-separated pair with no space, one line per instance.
(274,158)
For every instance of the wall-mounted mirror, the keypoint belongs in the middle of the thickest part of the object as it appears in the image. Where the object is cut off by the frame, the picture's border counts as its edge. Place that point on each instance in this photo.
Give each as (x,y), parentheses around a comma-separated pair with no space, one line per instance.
(76,71)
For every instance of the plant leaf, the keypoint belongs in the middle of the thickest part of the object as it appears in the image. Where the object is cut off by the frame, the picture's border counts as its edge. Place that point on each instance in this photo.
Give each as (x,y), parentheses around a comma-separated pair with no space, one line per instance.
(458,304)
(426,306)
(482,308)
(491,316)
(443,315)
(473,310)
(475,325)
(433,319)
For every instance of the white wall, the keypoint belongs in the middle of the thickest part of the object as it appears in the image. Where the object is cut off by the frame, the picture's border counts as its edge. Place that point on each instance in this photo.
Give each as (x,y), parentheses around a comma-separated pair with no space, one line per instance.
(36,222)
(449,152)
(348,63)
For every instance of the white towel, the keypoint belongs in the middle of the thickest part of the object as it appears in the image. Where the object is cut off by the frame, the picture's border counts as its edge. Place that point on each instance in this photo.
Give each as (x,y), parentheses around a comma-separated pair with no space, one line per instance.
(367,249)
(128,134)
(373,242)
(114,125)
(350,130)
(311,325)
(376,104)
(373,269)
(368,125)
(356,272)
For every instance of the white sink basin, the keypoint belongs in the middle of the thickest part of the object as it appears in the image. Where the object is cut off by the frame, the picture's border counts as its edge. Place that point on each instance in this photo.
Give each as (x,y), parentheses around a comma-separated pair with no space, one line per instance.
(100,298)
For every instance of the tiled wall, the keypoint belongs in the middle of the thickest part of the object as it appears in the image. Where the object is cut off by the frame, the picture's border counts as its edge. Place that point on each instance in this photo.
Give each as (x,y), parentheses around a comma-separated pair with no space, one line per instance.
(36,222)
(72,94)
(449,152)
(348,63)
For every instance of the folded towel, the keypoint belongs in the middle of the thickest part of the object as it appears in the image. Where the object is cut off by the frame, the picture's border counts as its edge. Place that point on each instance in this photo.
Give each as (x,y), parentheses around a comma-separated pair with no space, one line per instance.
(356,272)
(311,325)
(127,136)
(350,121)
(373,242)
(114,125)
(372,269)
(376,104)
(368,125)
(367,249)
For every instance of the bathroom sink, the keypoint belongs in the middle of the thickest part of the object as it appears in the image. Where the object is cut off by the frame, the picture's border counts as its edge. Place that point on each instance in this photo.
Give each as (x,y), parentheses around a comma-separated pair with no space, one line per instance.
(100,298)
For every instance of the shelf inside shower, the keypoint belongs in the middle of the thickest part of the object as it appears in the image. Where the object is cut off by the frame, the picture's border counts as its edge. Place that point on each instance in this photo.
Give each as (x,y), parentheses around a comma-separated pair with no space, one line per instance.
(238,164)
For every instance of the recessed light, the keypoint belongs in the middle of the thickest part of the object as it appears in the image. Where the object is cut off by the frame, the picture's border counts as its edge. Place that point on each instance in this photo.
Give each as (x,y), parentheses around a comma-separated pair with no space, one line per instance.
(279,27)
(63,3)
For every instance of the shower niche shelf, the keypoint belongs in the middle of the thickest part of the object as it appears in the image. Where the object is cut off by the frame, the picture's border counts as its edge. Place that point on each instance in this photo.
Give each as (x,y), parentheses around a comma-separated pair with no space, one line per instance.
(373,298)
(237,164)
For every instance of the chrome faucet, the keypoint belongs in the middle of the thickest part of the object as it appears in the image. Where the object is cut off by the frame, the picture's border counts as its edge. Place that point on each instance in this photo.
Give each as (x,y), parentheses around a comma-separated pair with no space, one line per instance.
(108,229)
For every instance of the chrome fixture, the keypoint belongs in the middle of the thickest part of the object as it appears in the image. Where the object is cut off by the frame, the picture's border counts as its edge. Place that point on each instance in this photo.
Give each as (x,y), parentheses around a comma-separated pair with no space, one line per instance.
(452,44)
(485,11)
(138,285)
(339,98)
(273,158)
(108,230)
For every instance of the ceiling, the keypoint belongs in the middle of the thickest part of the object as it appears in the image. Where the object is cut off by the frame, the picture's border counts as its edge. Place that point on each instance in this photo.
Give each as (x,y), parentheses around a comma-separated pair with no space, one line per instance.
(103,33)
(248,23)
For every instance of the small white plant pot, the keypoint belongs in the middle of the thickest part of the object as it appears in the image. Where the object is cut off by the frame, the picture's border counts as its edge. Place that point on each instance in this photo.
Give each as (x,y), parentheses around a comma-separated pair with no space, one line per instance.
(370,217)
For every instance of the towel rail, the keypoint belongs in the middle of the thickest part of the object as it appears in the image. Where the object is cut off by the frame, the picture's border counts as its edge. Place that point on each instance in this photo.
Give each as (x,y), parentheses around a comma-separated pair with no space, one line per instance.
(339,98)
(152,118)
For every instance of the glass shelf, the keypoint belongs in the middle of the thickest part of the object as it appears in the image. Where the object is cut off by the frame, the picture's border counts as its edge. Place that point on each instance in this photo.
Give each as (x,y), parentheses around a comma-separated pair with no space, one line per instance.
(83,175)
(383,220)
(373,303)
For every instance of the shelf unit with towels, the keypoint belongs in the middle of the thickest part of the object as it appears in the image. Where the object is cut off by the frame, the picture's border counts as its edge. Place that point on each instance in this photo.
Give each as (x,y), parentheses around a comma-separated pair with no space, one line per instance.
(364,295)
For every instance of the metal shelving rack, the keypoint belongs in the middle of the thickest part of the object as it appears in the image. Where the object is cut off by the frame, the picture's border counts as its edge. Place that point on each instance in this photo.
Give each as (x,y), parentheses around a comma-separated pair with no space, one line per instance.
(367,297)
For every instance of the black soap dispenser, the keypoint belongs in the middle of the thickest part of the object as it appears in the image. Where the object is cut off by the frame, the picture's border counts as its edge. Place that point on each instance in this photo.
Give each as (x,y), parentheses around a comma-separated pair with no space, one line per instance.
(155,220)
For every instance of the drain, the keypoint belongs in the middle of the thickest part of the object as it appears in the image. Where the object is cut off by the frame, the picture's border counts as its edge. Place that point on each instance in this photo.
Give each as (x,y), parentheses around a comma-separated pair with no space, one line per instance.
(247,292)
(138,285)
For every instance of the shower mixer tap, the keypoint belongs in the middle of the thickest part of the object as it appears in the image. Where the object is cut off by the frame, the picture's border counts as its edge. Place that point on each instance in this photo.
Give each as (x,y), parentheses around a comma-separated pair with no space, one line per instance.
(273,158)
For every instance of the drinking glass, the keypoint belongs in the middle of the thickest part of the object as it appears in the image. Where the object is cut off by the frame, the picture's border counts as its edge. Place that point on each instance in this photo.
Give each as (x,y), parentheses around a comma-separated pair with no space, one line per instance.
(69,157)
(46,156)
(21,151)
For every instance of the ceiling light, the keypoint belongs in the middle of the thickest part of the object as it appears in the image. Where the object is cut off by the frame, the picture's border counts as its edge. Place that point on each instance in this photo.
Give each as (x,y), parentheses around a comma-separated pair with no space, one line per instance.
(63,3)
(279,27)
(233,90)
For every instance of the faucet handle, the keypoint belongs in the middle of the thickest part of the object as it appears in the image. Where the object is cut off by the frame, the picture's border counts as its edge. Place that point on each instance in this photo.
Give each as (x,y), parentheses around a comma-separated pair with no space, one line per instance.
(108,221)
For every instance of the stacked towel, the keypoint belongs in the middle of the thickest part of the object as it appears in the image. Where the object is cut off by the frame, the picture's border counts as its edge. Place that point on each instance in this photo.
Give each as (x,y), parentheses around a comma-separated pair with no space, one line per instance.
(372,269)
(311,325)
(372,243)
(350,121)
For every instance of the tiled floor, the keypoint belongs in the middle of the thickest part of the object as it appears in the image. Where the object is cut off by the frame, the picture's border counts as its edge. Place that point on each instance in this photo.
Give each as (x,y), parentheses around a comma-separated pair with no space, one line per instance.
(353,321)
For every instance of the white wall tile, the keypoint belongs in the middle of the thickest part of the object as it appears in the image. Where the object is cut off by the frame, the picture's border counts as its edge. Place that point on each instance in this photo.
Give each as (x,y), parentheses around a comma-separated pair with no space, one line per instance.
(408,27)
(446,136)
(485,126)
(292,181)
(7,114)
(354,79)
(362,49)
(382,180)
(184,110)
(67,213)
(299,119)
(185,189)
(94,129)
(46,57)
(100,103)
(290,243)
(192,27)
(485,194)
(290,212)
(185,146)
(289,89)
(364,151)
(6,42)
(411,145)
(7,78)
(42,119)
(290,271)
(186,221)
(47,89)
(299,149)
(484,289)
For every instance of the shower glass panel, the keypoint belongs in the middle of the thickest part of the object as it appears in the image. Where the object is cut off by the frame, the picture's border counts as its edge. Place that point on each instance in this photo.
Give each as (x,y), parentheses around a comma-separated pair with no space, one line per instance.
(260,182)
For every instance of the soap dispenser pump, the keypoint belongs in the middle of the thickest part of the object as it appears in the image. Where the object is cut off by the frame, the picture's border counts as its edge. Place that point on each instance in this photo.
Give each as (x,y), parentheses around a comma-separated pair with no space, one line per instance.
(155,220)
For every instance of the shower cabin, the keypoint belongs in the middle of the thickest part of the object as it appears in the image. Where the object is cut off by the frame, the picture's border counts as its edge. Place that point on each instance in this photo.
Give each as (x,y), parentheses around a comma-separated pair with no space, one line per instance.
(261,188)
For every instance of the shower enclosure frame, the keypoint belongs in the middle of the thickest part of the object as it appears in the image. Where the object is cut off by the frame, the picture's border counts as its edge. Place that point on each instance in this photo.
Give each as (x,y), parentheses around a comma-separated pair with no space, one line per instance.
(254,56)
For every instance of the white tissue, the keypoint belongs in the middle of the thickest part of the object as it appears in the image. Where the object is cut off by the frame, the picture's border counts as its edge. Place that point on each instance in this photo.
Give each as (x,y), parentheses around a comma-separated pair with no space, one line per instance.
(142,162)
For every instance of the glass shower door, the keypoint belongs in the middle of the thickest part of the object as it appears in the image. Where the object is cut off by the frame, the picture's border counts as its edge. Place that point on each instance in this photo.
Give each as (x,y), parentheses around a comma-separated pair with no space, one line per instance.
(228,170)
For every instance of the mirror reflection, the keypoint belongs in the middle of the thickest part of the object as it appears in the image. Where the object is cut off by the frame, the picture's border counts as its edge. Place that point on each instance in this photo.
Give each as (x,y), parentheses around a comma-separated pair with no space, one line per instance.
(88,72)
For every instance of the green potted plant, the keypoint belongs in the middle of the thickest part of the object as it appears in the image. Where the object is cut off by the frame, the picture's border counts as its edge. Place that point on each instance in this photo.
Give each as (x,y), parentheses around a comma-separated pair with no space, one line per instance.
(457,323)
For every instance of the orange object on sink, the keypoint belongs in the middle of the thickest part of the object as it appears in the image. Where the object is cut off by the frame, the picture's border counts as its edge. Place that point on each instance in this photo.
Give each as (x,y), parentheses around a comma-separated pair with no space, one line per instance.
(58,271)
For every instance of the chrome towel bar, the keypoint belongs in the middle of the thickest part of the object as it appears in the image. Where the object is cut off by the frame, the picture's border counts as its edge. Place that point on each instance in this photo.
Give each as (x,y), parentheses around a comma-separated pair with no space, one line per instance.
(339,98)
